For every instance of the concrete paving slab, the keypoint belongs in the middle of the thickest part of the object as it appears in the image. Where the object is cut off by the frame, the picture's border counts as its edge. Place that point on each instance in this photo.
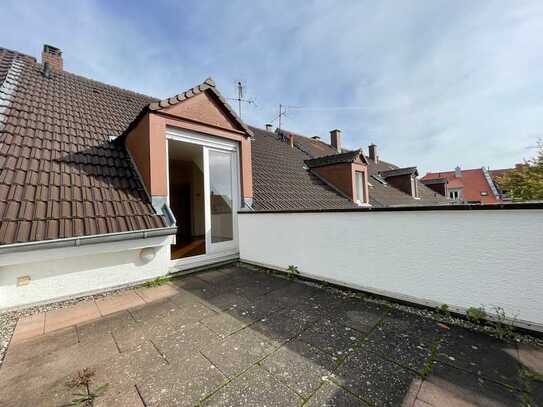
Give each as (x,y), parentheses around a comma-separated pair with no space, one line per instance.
(190,338)
(331,395)
(531,357)
(29,327)
(238,351)
(334,338)
(184,382)
(39,346)
(481,354)
(89,331)
(376,380)
(300,366)
(75,314)
(357,314)
(150,294)
(256,387)
(115,303)
(409,349)
(448,386)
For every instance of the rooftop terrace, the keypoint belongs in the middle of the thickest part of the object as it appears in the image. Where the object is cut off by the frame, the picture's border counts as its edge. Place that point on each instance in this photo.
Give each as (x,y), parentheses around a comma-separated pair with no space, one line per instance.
(234,336)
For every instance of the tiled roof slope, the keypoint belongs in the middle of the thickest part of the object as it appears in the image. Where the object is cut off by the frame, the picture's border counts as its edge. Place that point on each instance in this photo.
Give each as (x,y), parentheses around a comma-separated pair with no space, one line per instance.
(60,175)
(380,195)
(280,181)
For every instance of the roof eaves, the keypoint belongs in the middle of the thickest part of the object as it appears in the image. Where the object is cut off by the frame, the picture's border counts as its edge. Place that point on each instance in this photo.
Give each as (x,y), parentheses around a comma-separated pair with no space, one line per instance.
(341,158)
(399,171)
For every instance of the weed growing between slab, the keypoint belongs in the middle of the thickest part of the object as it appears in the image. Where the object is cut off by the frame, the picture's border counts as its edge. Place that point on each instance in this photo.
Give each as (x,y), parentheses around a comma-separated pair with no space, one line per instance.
(292,271)
(157,282)
(86,397)
(427,369)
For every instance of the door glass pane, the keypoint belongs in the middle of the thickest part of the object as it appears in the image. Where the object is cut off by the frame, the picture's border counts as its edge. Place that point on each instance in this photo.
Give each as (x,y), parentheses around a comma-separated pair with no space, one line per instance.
(220,186)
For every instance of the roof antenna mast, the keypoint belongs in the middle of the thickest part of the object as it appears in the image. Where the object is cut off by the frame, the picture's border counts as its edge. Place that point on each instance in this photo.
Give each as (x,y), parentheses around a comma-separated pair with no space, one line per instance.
(240,99)
(282,112)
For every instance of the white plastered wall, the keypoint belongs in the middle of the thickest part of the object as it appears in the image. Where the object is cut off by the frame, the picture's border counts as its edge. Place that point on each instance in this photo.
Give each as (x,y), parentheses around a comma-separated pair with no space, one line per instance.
(460,258)
(61,273)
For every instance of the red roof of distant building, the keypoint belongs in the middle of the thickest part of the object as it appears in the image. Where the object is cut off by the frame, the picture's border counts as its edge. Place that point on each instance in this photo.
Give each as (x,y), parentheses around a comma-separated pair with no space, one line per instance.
(474,183)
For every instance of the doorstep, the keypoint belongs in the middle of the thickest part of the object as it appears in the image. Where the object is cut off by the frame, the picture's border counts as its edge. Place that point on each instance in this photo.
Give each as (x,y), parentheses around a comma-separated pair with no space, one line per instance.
(45,322)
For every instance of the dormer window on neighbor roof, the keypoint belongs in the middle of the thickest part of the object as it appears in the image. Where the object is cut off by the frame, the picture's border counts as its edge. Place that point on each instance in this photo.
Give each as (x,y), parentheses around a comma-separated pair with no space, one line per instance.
(404,179)
(346,172)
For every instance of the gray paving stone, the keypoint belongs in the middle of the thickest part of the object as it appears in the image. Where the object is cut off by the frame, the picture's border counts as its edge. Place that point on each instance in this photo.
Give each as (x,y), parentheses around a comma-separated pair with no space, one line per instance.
(284,324)
(41,345)
(112,323)
(129,368)
(358,314)
(448,386)
(256,387)
(331,395)
(119,396)
(300,366)
(226,323)
(481,354)
(41,381)
(192,338)
(227,300)
(409,348)
(334,338)
(238,351)
(376,380)
(37,391)
(184,382)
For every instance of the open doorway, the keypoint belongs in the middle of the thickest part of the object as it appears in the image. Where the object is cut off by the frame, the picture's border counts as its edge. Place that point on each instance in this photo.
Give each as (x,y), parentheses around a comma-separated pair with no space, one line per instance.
(186,194)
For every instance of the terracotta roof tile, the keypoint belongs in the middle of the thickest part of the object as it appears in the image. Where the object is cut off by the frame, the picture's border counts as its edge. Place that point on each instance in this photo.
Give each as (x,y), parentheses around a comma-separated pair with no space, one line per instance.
(56,157)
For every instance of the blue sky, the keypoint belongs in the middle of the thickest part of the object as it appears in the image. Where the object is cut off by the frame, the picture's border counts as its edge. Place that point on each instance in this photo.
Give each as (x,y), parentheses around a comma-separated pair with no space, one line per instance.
(433,83)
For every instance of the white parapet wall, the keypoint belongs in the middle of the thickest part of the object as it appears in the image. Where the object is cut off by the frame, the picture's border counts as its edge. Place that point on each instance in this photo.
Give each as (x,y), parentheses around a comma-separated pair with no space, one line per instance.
(462,258)
(56,274)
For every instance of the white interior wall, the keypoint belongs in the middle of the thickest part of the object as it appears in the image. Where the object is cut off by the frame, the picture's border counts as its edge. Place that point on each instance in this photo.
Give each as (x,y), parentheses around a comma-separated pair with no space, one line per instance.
(68,272)
(460,258)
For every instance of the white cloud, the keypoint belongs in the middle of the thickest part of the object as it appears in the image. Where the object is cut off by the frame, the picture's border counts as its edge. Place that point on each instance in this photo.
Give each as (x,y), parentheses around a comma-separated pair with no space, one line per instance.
(438,83)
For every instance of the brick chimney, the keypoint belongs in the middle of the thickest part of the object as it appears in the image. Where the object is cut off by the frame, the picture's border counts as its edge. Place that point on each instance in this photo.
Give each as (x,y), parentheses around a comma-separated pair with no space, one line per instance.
(335,139)
(53,57)
(458,172)
(372,150)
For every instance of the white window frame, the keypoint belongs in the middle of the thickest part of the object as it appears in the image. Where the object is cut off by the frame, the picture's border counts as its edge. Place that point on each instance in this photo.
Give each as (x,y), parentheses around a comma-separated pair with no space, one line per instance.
(360,191)
(214,251)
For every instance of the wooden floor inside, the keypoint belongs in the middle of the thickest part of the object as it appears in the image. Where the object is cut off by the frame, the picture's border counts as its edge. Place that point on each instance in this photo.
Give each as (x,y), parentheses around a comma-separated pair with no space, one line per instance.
(194,248)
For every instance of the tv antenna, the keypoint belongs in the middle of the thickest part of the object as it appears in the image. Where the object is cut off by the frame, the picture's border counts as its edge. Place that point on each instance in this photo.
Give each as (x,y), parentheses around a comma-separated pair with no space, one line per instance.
(241,97)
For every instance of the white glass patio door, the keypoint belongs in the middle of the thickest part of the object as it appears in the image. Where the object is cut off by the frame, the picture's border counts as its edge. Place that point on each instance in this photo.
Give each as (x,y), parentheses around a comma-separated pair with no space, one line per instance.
(221,190)
(221,199)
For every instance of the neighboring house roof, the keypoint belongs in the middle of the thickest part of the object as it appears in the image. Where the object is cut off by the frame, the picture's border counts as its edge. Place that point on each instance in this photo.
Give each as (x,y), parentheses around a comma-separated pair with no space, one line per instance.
(473,182)
(60,175)
(280,181)
(380,194)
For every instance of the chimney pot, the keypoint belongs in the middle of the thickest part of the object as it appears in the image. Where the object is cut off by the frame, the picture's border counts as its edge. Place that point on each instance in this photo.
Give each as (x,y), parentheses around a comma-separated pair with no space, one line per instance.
(269,127)
(458,172)
(52,56)
(372,150)
(335,139)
